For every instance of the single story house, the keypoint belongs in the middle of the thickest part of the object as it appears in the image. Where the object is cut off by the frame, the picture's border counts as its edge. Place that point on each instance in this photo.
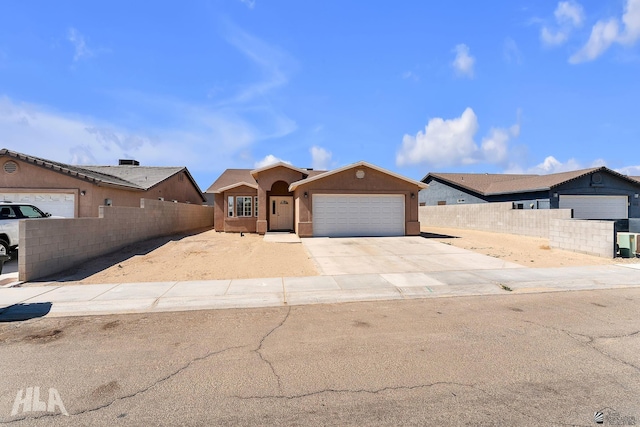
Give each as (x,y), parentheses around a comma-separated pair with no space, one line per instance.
(77,191)
(595,193)
(355,200)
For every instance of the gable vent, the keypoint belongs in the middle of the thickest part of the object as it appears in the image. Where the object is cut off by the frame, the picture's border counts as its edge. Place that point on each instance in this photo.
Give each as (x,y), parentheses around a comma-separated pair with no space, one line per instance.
(10,167)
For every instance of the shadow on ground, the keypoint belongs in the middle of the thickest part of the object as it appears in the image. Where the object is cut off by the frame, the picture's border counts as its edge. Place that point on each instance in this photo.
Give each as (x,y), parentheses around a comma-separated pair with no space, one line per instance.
(436,236)
(98,264)
(21,312)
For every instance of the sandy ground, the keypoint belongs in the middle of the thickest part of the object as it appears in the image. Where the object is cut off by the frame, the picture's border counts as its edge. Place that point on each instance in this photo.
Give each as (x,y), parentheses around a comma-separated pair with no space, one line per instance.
(207,255)
(527,251)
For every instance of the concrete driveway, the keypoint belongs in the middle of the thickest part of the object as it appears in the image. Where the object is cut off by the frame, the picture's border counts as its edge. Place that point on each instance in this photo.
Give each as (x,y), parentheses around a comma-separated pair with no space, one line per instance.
(407,254)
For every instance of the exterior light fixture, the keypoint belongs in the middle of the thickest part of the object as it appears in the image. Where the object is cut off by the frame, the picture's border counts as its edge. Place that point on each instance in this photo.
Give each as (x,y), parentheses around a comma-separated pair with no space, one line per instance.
(413,195)
(306,194)
(635,195)
(555,195)
(82,193)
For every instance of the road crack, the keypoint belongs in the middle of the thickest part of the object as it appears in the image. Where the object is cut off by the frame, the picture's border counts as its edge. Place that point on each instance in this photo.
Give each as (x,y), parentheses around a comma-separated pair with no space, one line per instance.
(134,394)
(590,341)
(258,350)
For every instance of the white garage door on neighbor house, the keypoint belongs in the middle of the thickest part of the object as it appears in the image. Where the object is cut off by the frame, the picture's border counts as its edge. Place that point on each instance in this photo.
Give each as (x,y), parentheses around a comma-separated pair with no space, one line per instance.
(596,207)
(57,204)
(347,215)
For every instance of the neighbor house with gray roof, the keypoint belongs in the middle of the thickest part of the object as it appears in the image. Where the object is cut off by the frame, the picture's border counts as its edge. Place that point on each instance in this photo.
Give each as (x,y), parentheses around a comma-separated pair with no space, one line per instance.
(595,193)
(78,190)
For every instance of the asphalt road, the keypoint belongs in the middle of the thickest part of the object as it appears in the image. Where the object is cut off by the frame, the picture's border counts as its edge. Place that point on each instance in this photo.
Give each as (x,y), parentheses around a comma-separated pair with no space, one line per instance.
(537,359)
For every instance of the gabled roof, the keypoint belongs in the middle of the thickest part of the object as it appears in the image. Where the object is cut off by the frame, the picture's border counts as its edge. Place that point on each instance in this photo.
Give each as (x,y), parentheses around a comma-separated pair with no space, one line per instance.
(320,176)
(236,185)
(496,184)
(230,177)
(134,178)
(275,165)
(234,176)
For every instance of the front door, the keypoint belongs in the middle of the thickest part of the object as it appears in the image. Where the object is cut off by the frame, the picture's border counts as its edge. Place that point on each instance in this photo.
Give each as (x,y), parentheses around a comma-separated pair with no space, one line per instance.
(281,213)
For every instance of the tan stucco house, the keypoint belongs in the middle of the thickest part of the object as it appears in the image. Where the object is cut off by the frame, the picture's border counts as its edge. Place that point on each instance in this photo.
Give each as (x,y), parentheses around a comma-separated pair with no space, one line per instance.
(360,199)
(74,191)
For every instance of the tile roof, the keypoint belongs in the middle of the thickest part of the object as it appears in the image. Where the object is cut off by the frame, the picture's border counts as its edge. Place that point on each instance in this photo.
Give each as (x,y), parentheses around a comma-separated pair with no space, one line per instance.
(136,178)
(494,184)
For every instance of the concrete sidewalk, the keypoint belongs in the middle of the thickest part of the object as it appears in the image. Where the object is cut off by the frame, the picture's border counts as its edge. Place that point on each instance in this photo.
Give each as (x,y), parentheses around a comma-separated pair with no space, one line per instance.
(80,300)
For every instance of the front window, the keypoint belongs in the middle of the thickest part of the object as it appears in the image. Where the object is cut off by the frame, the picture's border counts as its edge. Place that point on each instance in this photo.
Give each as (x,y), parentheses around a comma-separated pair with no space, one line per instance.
(243,206)
(255,204)
(28,211)
(230,208)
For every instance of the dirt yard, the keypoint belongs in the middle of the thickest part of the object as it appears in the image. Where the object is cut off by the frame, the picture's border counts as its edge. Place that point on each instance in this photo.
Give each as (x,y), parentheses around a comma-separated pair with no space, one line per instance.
(209,255)
(527,251)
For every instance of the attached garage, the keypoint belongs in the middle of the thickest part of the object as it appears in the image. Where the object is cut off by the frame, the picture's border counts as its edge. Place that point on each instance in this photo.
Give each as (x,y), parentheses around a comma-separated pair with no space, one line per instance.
(342,215)
(57,204)
(596,207)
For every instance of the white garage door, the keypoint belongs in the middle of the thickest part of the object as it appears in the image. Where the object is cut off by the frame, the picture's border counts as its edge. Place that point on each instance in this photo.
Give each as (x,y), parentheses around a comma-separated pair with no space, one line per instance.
(345,215)
(57,204)
(596,207)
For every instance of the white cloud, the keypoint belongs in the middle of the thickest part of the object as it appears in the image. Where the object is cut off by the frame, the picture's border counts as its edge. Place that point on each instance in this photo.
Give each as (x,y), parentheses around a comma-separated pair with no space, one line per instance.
(553,165)
(511,51)
(550,38)
(269,159)
(463,63)
(569,11)
(320,158)
(606,32)
(630,170)
(451,142)
(603,35)
(249,3)
(568,15)
(81,48)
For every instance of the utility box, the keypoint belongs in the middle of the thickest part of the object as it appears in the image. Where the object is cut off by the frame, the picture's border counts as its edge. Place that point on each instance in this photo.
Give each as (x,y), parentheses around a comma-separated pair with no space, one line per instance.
(628,244)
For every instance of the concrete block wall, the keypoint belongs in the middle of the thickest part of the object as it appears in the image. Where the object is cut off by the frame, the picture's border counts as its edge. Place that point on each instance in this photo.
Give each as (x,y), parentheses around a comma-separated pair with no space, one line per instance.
(584,236)
(48,246)
(494,217)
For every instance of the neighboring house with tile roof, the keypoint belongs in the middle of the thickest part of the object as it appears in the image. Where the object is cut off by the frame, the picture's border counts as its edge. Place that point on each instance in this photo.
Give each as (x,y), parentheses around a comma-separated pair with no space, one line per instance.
(78,190)
(360,199)
(594,193)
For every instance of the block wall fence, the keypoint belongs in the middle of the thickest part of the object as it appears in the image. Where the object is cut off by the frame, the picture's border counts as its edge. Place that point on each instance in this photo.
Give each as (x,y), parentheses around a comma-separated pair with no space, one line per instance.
(48,246)
(584,236)
(493,217)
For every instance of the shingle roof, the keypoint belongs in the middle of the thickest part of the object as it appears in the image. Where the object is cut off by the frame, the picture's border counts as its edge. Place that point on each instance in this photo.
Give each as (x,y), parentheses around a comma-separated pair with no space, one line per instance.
(234,176)
(494,184)
(143,177)
(136,178)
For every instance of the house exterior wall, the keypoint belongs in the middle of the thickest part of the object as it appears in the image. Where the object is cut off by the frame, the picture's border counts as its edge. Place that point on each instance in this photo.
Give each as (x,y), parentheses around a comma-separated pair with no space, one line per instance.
(31,178)
(48,246)
(234,224)
(266,179)
(454,195)
(494,217)
(611,186)
(449,194)
(374,182)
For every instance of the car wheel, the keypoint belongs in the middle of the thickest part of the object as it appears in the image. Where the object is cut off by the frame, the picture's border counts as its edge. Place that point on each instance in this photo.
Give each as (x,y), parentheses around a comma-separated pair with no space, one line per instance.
(4,248)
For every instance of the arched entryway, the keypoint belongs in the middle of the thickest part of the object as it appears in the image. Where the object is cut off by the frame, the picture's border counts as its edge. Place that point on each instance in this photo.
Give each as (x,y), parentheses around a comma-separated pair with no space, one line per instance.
(280,202)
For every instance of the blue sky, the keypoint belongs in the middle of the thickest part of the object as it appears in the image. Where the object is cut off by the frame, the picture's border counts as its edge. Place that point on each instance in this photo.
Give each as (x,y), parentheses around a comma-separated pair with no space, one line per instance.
(412,86)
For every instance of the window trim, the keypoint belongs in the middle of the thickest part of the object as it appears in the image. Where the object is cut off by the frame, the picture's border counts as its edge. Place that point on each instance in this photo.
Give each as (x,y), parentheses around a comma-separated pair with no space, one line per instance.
(230,205)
